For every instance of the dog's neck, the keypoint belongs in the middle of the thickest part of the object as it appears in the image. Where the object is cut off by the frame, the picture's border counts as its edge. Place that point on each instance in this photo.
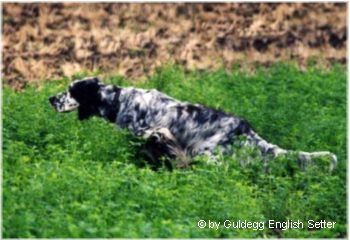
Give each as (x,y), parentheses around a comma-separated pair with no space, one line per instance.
(109,106)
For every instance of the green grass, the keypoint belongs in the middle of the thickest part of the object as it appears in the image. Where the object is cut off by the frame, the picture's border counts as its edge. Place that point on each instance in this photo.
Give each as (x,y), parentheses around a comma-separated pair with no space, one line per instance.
(66,178)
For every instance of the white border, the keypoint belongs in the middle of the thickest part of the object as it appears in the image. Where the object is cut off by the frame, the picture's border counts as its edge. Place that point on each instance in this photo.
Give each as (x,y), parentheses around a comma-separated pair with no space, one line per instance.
(160,1)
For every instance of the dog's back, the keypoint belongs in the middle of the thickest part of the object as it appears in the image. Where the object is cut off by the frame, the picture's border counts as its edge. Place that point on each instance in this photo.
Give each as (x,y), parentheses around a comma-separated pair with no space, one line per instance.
(198,129)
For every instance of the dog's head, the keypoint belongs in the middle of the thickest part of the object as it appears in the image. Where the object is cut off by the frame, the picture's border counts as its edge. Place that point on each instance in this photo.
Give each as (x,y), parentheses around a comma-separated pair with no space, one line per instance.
(82,95)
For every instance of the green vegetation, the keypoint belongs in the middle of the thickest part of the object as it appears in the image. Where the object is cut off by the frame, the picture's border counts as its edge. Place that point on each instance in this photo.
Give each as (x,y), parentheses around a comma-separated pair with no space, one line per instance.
(66,178)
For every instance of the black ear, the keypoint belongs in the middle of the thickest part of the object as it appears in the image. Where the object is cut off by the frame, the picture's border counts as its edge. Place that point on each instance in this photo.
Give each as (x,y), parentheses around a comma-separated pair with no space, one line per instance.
(85,113)
(86,92)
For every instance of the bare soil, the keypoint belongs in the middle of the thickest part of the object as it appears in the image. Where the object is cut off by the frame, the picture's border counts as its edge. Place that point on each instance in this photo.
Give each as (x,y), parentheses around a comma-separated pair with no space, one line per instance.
(50,40)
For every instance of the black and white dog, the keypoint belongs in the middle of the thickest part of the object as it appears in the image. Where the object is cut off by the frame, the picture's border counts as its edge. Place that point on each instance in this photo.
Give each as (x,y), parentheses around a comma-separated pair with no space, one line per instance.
(178,130)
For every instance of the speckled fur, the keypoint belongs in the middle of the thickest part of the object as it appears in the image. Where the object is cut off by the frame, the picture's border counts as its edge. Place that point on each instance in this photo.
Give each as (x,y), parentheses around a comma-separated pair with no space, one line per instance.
(189,129)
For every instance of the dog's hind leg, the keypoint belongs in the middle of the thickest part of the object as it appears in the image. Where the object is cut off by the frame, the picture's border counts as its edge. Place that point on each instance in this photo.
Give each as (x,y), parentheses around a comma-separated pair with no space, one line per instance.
(161,147)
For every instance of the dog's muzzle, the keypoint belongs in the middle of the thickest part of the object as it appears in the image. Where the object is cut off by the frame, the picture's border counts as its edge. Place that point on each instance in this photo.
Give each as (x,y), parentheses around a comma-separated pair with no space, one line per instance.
(63,102)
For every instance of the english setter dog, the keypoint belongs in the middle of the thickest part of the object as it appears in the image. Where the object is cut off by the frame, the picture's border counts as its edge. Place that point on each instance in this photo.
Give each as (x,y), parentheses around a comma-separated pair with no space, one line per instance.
(174,129)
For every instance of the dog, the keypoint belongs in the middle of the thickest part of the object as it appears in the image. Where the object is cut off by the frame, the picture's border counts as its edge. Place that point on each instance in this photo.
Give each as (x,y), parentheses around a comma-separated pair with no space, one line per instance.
(173,129)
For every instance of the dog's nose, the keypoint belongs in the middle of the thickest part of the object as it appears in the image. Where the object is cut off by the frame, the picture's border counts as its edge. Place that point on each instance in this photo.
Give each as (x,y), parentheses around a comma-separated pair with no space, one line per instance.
(52,100)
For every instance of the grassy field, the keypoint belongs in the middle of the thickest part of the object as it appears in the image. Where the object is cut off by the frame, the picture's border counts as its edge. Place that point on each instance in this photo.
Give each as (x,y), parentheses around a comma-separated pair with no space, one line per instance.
(66,178)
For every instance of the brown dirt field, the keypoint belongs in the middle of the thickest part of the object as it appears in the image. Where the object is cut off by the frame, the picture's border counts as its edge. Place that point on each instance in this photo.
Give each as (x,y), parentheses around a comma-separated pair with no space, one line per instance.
(44,40)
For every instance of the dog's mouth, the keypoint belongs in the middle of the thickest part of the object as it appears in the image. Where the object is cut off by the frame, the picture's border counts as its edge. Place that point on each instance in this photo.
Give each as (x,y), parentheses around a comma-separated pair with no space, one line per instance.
(63,102)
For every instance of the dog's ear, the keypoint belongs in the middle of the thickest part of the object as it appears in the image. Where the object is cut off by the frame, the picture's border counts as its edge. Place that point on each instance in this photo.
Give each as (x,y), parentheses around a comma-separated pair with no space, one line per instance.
(85,113)
(86,92)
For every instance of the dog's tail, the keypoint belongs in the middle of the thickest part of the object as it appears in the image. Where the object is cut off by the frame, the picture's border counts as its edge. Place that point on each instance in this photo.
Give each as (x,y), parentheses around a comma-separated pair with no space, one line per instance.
(304,158)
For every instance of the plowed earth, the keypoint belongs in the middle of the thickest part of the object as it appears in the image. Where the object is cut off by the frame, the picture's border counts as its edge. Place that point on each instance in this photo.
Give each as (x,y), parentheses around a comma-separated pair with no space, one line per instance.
(44,41)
